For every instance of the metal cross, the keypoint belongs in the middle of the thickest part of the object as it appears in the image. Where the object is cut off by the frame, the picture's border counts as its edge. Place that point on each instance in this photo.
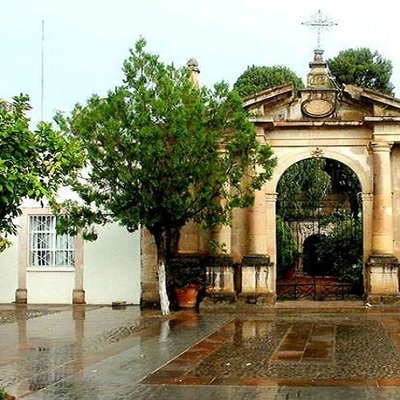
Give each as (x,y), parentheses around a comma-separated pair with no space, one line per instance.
(319,22)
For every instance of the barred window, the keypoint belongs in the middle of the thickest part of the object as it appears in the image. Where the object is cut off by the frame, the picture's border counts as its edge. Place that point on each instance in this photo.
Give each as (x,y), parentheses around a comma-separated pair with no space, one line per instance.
(47,248)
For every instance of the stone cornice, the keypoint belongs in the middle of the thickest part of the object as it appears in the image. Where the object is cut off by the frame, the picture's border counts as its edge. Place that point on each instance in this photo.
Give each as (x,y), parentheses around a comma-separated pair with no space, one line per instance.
(383,120)
(269,94)
(304,124)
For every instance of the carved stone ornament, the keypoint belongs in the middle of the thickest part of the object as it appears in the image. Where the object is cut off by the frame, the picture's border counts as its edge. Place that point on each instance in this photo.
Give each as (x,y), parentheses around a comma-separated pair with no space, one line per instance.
(318,108)
(319,104)
(317,153)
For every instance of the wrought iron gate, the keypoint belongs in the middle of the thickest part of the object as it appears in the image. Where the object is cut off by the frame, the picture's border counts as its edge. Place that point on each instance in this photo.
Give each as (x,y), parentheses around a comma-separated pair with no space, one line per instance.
(329,260)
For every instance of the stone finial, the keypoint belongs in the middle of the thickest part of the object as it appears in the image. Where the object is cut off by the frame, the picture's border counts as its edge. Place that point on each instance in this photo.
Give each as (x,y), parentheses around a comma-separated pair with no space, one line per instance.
(318,57)
(193,65)
(318,77)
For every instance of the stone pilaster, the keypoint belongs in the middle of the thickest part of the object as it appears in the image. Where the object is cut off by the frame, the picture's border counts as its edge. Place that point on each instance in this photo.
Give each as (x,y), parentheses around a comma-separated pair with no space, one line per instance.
(270,199)
(367,207)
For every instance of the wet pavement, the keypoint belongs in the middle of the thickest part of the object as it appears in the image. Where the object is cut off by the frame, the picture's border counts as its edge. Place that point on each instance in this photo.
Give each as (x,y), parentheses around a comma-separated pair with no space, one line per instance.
(291,351)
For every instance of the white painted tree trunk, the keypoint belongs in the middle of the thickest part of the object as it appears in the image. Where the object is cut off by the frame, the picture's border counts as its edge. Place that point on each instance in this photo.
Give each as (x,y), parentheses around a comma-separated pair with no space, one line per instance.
(162,289)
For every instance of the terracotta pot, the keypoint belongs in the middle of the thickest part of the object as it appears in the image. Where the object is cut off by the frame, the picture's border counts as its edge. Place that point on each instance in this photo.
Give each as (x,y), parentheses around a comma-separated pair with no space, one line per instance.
(291,274)
(186,297)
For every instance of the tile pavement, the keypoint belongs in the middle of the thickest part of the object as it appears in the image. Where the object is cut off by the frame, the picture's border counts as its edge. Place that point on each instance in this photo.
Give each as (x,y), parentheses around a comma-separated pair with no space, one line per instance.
(283,353)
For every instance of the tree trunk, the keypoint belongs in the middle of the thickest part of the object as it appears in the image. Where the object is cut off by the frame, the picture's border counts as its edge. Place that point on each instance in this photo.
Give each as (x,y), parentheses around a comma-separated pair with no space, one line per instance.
(162,280)
(171,243)
(162,288)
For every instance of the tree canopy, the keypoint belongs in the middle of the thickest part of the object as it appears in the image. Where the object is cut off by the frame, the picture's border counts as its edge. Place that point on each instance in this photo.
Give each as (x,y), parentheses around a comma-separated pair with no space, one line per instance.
(305,184)
(161,152)
(364,68)
(32,163)
(258,78)
(302,188)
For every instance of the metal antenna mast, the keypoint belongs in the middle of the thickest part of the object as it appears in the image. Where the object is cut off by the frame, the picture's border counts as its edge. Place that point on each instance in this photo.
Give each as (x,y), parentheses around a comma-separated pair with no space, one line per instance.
(42,75)
(319,22)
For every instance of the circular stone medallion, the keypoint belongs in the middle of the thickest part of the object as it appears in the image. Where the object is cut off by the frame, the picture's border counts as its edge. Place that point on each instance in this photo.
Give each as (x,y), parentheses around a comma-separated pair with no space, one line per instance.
(317,108)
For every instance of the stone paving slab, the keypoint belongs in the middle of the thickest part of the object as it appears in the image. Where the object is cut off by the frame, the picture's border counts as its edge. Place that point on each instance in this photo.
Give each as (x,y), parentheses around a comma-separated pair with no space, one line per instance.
(80,352)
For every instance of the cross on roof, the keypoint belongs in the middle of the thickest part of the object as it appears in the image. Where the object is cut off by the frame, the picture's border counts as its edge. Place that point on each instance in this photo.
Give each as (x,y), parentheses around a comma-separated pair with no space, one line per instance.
(319,22)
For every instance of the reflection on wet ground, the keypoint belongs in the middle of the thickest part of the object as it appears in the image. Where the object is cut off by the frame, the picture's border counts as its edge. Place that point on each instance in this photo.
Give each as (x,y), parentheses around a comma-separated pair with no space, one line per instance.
(96,352)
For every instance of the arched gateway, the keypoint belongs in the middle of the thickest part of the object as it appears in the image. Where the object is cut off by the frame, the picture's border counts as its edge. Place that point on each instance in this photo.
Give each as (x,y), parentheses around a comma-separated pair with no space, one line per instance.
(357,127)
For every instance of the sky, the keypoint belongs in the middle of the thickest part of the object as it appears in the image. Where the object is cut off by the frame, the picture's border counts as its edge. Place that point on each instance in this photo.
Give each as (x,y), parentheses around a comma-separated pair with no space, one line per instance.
(86,41)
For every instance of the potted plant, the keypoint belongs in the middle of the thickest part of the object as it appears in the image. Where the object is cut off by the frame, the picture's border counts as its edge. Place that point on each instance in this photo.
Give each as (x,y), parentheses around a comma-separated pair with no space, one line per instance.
(5,396)
(186,277)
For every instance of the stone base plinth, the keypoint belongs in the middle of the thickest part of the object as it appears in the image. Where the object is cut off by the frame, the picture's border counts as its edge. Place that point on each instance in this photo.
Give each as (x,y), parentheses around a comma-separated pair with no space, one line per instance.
(256,299)
(218,300)
(78,296)
(150,304)
(79,312)
(150,295)
(220,274)
(375,299)
(256,260)
(382,280)
(256,274)
(21,296)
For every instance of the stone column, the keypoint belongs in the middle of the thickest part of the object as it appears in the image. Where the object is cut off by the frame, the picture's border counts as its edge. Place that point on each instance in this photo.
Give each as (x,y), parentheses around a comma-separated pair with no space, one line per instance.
(257,225)
(382,229)
(257,275)
(78,294)
(382,282)
(222,236)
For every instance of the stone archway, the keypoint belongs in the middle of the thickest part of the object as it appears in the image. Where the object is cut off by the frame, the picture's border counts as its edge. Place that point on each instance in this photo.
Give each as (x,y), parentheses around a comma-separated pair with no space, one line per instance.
(287,157)
(320,239)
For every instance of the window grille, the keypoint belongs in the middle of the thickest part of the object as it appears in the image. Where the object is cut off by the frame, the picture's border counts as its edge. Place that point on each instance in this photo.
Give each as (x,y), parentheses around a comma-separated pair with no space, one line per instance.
(47,248)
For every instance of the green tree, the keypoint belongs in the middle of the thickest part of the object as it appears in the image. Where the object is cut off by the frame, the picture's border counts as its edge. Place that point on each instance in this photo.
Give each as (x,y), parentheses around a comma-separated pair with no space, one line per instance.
(302,188)
(161,152)
(343,246)
(287,248)
(32,163)
(363,68)
(258,78)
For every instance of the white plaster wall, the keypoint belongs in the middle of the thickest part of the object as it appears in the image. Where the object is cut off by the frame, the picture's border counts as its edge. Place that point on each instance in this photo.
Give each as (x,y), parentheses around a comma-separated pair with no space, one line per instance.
(9,273)
(112,266)
(50,286)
